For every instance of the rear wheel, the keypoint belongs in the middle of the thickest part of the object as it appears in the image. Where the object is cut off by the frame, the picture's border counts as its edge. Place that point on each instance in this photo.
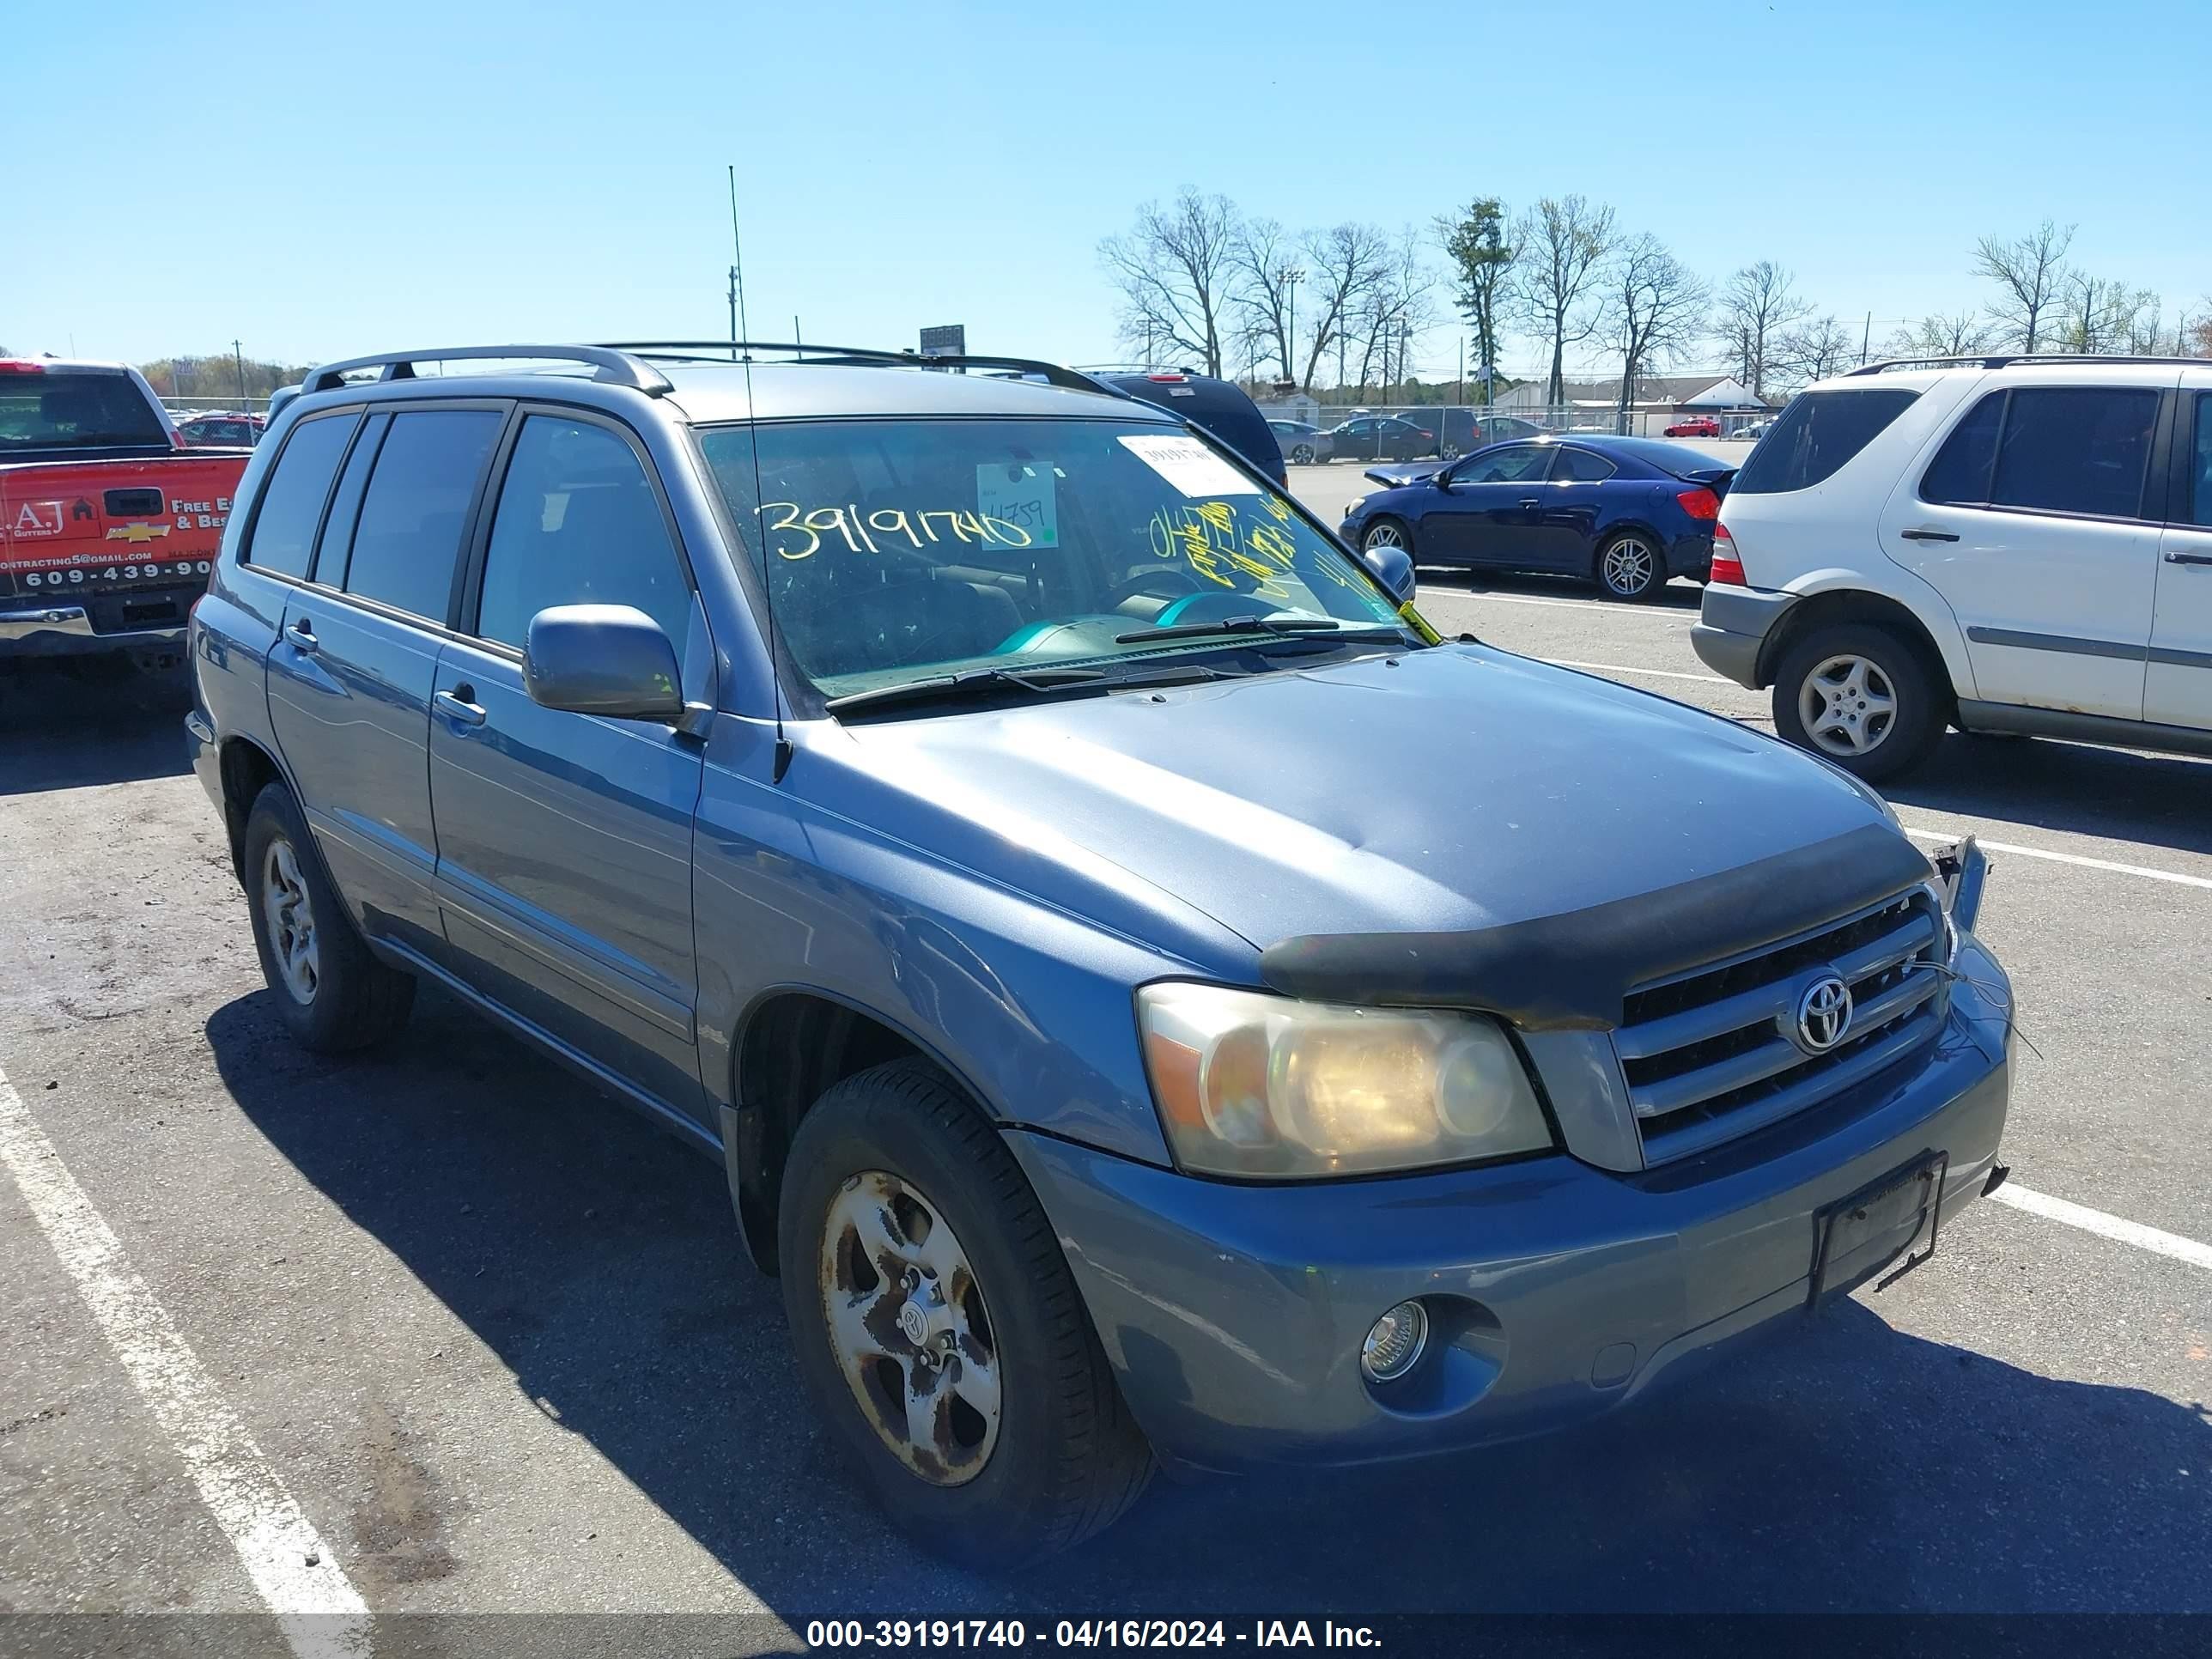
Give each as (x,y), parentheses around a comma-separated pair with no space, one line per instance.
(939,1330)
(331,992)
(1858,694)
(1301,454)
(1630,566)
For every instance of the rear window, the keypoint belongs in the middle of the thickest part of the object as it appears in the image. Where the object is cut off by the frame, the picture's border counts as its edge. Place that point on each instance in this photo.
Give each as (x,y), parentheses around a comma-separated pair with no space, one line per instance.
(1816,434)
(57,408)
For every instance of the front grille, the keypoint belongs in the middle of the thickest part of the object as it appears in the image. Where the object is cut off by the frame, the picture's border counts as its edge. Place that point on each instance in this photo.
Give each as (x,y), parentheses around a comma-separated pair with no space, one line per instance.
(1711,1055)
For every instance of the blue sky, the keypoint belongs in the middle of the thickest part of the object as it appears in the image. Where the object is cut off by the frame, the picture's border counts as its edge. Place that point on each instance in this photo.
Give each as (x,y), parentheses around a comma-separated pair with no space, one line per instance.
(319,181)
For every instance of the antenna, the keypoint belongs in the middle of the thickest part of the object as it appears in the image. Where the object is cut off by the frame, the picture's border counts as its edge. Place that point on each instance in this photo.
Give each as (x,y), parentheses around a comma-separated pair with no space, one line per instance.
(752,430)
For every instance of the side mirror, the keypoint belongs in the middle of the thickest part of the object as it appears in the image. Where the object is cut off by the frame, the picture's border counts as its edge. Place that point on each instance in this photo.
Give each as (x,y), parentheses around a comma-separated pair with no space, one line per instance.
(610,659)
(1394,567)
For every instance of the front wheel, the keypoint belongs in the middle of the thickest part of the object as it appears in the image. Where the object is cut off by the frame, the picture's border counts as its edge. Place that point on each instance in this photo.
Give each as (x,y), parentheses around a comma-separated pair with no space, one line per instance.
(939,1330)
(1857,695)
(1388,532)
(1302,455)
(1631,567)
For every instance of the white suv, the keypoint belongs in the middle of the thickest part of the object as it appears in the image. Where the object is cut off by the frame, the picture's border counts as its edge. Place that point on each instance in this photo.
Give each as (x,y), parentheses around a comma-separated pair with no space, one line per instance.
(2018,544)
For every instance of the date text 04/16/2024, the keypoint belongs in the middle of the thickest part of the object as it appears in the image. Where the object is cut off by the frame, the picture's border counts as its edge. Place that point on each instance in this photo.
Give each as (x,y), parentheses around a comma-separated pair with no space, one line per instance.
(1087,1633)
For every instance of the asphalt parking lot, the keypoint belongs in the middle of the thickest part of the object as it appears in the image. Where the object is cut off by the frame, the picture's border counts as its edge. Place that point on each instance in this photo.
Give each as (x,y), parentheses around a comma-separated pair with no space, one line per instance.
(492,1341)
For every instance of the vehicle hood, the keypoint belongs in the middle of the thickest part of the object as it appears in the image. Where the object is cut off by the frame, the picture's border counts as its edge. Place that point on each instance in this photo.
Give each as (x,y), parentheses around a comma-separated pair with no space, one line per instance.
(1453,788)
(1404,472)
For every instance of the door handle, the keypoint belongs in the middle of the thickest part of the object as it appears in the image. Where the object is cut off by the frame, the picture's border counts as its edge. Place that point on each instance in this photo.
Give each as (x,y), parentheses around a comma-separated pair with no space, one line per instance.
(301,634)
(2175,555)
(459,706)
(1927,535)
(1532,501)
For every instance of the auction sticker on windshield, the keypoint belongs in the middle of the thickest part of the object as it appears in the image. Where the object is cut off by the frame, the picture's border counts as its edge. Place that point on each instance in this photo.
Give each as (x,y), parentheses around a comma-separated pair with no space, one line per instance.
(1020,493)
(1191,467)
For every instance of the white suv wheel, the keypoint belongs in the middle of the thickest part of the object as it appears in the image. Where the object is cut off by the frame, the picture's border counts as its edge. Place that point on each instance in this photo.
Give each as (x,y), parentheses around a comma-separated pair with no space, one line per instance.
(1847,705)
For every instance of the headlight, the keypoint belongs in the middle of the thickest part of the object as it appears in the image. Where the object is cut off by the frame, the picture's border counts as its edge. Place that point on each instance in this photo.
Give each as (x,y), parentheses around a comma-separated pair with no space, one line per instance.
(1253,1085)
(1354,505)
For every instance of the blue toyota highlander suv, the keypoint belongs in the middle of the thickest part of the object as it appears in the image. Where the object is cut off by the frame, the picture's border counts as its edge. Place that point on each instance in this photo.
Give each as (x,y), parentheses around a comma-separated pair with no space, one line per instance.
(1153,1000)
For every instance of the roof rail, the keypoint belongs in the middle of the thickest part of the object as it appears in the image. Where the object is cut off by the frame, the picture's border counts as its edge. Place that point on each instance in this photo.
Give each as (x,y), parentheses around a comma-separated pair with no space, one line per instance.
(855,356)
(614,367)
(2006,360)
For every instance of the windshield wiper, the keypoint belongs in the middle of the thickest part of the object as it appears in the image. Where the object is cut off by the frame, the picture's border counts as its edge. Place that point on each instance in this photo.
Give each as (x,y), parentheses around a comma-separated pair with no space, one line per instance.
(943,686)
(1277,625)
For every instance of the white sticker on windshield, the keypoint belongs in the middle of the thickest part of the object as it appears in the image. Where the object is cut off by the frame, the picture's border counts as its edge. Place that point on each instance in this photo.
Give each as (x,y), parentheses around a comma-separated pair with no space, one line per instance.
(1190,466)
(1020,493)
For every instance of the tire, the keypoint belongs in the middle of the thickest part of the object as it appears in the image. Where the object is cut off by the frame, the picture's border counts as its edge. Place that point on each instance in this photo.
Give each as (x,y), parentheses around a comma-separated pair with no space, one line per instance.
(1388,532)
(1820,680)
(1447,451)
(331,992)
(1631,567)
(1302,455)
(1062,1459)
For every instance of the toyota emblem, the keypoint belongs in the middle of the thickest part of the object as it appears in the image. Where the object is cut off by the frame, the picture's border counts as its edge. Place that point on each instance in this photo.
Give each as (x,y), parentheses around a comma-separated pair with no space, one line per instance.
(1824,1014)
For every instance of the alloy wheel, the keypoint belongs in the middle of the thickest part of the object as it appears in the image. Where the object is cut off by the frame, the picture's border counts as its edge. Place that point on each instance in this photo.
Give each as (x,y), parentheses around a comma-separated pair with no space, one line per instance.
(1629,567)
(909,1327)
(290,914)
(1847,705)
(1382,535)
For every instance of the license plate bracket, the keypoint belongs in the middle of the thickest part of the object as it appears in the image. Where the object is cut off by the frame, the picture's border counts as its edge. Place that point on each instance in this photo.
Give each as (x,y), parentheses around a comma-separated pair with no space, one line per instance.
(1913,1190)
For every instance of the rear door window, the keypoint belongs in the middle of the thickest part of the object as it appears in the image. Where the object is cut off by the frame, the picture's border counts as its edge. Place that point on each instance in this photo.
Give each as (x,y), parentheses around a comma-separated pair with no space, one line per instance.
(292,504)
(409,532)
(578,524)
(2199,463)
(2075,449)
(1816,436)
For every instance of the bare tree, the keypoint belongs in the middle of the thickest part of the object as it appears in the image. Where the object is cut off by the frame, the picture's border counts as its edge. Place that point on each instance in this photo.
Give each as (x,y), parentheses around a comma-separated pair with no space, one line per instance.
(1756,304)
(1814,350)
(1264,256)
(1482,256)
(1655,310)
(1177,275)
(2143,329)
(1342,264)
(1564,246)
(2030,273)
(1939,335)
(2090,314)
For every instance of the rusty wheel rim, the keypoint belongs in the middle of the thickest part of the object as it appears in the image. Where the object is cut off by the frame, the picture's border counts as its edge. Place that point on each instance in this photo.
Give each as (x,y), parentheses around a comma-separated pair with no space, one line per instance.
(909,1327)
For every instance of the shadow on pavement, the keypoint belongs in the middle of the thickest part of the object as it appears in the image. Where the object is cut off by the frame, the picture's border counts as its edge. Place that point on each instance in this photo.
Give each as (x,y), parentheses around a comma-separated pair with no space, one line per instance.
(1678,595)
(1845,1465)
(2162,801)
(66,725)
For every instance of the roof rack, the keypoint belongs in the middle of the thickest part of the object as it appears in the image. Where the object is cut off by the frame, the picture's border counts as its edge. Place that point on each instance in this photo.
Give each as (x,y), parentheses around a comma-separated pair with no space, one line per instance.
(615,367)
(853,356)
(2005,360)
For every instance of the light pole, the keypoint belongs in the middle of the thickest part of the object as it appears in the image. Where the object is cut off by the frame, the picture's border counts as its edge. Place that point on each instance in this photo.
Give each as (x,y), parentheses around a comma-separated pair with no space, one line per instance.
(1292,276)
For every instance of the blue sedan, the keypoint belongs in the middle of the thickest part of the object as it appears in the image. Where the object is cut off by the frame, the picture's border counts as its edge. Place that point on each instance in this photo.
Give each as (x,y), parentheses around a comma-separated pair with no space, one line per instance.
(1626,513)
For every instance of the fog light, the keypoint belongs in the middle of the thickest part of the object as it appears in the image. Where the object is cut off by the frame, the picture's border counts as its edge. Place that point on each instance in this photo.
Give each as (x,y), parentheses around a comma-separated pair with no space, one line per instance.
(1394,1342)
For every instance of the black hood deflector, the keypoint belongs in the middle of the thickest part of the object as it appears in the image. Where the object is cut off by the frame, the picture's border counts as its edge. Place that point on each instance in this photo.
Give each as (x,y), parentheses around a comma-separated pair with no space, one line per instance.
(1573,971)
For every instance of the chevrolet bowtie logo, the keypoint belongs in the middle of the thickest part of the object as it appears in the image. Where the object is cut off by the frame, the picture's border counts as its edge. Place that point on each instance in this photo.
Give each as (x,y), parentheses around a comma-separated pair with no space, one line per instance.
(138,532)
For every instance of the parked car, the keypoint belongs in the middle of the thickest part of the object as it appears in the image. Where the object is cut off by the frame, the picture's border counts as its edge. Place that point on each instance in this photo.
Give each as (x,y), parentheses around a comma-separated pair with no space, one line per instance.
(1697,426)
(1463,431)
(1152,999)
(2015,544)
(1753,431)
(220,430)
(1302,444)
(1628,513)
(1380,438)
(107,528)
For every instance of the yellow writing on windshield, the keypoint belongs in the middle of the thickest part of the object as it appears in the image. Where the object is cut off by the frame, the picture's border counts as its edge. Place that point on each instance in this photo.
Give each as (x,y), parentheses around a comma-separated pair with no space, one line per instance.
(1209,537)
(850,527)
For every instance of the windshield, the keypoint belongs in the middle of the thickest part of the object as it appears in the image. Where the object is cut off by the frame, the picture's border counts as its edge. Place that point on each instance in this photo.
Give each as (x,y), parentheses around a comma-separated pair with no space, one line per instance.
(899,549)
(56,408)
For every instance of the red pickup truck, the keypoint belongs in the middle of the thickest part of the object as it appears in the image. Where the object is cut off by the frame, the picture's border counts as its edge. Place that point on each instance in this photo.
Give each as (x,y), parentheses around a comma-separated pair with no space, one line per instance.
(108,524)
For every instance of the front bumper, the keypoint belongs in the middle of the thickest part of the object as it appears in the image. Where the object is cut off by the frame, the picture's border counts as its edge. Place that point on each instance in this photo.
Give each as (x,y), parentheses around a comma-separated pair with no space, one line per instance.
(1733,626)
(1233,1314)
(62,630)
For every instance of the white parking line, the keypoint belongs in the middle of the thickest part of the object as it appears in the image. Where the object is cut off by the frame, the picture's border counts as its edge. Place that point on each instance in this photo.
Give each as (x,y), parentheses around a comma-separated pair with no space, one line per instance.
(2148,874)
(320,1613)
(2106,1226)
(1623,668)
